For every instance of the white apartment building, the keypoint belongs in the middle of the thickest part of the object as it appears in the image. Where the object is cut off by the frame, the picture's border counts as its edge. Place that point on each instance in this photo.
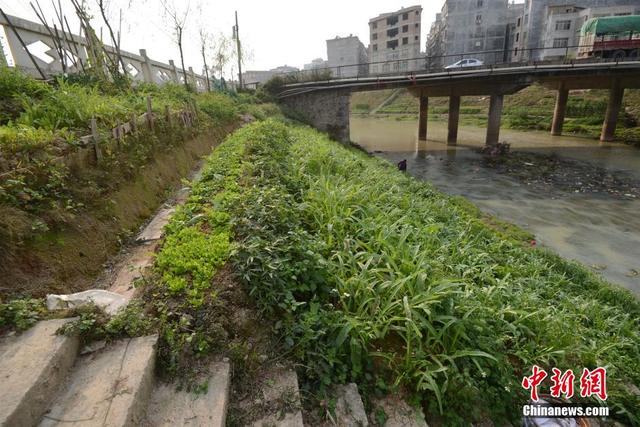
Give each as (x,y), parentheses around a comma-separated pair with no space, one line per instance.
(394,41)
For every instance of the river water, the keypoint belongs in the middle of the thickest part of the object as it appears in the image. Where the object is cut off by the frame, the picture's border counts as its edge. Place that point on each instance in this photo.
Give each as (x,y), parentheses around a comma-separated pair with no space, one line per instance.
(599,230)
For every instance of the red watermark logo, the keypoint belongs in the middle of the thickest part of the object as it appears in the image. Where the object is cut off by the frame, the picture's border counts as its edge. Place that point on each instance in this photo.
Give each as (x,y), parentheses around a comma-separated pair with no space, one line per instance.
(592,382)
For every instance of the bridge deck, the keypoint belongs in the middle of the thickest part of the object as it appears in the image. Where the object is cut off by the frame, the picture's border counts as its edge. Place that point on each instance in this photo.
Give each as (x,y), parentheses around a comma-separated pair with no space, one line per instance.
(573,76)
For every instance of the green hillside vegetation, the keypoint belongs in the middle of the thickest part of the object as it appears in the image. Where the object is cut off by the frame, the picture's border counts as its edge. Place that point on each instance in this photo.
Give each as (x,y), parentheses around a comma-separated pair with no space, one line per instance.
(529,109)
(53,193)
(372,276)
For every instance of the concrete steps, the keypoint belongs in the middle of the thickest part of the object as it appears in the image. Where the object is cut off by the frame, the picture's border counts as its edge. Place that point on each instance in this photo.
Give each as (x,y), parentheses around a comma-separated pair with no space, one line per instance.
(281,396)
(350,410)
(110,387)
(33,367)
(398,412)
(169,407)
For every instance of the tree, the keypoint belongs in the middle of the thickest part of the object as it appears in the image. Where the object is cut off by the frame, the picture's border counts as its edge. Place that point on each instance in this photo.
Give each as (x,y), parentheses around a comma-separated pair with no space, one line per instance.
(103,6)
(222,53)
(178,19)
(205,41)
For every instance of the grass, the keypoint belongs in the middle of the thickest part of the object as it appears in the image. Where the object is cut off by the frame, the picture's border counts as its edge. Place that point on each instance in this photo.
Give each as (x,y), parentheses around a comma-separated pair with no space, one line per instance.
(371,276)
(40,124)
(52,192)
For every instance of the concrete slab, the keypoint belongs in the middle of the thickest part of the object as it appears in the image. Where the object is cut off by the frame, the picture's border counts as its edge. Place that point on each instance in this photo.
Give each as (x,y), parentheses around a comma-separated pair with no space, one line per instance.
(349,407)
(132,267)
(280,391)
(110,387)
(33,367)
(169,407)
(399,413)
(153,231)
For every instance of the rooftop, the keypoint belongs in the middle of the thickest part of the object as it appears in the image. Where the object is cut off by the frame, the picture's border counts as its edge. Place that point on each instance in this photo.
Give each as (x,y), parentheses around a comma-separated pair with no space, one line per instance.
(403,10)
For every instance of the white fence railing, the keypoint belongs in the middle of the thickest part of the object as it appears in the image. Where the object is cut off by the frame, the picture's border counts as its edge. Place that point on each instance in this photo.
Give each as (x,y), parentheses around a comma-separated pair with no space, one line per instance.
(16,33)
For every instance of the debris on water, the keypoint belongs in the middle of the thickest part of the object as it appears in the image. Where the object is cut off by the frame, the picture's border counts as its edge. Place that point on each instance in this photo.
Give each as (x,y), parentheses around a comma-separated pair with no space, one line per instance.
(633,273)
(551,172)
(599,267)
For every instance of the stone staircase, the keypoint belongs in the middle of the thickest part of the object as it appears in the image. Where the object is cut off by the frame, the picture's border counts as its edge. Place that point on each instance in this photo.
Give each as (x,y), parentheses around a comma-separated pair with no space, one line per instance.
(47,381)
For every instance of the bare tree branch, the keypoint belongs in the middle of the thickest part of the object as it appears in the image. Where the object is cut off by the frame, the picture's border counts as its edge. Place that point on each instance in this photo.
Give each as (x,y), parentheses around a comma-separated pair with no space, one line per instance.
(178,21)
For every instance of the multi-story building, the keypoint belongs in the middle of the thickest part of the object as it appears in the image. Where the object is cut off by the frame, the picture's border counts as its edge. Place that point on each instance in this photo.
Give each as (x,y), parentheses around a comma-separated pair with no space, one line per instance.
(316,64)
(435,45)
(346,57)
(256,77)
(470,29)
(394,41)
(550,29)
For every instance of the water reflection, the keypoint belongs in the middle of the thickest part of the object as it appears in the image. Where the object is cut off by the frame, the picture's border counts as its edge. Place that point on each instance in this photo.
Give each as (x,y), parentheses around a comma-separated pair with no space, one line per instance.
(599,230)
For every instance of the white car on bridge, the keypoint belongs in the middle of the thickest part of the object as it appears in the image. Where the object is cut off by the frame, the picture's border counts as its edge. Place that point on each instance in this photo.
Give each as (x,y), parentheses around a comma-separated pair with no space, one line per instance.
(465,63)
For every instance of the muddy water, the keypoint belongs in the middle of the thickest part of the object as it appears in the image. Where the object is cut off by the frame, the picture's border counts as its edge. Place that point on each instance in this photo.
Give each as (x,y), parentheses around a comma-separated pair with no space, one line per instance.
(601,231)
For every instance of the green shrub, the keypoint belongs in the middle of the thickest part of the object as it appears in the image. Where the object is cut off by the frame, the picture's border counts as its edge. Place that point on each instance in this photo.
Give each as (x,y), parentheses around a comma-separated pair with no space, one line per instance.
(218,107)
(14,86)
(21,314)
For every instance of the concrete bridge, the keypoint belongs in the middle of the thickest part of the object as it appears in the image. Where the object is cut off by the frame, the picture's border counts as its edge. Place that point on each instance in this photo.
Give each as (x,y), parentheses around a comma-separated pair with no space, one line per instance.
(325,104)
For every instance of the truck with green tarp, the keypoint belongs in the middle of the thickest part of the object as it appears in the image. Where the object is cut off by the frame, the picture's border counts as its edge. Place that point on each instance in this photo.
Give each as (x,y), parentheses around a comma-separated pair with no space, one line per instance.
(615,37)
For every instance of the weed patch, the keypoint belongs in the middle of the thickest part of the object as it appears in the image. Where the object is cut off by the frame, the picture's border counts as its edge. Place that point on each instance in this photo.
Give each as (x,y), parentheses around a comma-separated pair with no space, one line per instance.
(369,275)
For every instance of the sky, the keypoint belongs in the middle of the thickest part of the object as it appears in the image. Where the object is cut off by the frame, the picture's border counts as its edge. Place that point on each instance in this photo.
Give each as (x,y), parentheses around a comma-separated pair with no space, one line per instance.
(273,33)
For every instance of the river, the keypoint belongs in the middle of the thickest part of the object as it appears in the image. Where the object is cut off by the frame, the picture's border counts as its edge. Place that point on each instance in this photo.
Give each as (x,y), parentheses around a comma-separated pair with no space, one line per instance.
(598,230)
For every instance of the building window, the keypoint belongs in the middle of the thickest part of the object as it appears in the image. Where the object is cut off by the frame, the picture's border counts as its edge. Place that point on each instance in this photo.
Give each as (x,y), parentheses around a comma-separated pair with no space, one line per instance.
(392,32)
(392,20)
(392,44)
(405,40)
(517,37)
(560,43)
(405,29)
(515,52)
(417,25)
(415,38)
(374,25)
(374,36)
(417,13)
(519,21)
(526,19)
(478,19)
(563,25)
(375,47)
(480,4)
(405,16)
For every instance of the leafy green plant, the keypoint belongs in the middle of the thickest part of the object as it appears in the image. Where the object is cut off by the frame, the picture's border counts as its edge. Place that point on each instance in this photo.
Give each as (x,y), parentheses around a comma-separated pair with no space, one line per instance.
(367,273)
(21,314)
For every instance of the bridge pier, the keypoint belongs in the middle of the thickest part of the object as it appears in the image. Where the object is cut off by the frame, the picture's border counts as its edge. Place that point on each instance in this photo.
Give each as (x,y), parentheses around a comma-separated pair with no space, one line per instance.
(560,110)
(495,117)
(454,118)
(422,118)
(616,94)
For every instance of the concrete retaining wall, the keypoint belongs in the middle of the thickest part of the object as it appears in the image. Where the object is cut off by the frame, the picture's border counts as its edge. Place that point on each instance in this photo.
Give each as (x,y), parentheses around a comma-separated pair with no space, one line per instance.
(327,111)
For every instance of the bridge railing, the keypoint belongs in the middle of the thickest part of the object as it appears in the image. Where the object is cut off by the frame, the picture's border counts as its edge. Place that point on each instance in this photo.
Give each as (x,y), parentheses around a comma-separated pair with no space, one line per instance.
(491,59)
(31,47)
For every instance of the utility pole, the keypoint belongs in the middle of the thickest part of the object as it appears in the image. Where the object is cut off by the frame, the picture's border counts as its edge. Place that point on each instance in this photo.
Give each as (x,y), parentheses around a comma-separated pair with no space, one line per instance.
(236,31)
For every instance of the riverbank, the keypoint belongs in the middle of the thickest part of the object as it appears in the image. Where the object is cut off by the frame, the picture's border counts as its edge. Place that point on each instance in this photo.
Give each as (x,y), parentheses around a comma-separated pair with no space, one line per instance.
(369,275)
(68,204)
(529,109)
(599,230)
